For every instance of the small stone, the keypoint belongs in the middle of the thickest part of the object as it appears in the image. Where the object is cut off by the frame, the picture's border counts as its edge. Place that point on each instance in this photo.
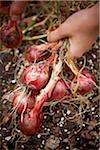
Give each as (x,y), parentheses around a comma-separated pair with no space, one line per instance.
(83,125)
(39,135)
(68,132)
(48,129)
(65,140)
(3,141)
(92,67)
(13,81)
(80,62)
(16,52)
(45,129)
(20,55)
(97,137)
(4,101)
(57,111)
(65,130)
(3,81)
(67,147)
(93,108)
(90,61)
(93,113)
(41,146)
(68,112)
(94,56)
(96,105)
(90,98)
(43,126)
(4,129)
(43,142)
(75,132)
(96,116)
(7,66)
(52,143)
(45,117)
(8,138)
(22,146)
(61,125)
(11,52)
(4,90)
(62,118)
(60,138)
(77,139)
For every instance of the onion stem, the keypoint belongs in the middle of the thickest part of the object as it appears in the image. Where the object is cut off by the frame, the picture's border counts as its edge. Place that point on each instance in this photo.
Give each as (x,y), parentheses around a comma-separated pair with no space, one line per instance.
(27,38)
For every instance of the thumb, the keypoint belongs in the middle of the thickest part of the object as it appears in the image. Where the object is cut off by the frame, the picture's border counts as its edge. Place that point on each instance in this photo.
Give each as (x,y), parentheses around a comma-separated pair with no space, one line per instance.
(62,31)
(17,9)
(75,53)
(75,49)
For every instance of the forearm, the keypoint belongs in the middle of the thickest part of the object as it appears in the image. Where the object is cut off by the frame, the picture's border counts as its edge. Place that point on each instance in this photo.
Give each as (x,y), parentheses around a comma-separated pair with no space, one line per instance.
(95,15)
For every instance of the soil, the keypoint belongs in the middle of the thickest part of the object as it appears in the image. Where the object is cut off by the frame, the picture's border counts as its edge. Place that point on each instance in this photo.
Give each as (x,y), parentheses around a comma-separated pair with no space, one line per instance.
(67,125)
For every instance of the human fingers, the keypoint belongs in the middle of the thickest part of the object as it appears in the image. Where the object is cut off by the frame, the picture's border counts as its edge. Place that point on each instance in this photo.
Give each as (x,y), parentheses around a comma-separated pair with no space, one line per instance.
(79,44)
(61,32)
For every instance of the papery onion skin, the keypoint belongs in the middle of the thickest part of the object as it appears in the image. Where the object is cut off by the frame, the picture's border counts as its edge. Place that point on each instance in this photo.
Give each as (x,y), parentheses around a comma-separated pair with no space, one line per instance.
(11,34)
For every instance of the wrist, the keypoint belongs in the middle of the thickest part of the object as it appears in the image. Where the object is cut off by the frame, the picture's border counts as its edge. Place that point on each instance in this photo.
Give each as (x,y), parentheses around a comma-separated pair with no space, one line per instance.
(94,12)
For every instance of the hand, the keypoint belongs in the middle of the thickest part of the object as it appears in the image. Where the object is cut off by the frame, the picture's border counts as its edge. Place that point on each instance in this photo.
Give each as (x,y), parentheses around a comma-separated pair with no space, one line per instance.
(13,9)
(81,28)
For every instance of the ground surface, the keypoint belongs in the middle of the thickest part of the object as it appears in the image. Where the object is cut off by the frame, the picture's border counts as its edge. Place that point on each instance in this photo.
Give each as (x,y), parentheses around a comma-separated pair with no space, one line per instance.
(64,127)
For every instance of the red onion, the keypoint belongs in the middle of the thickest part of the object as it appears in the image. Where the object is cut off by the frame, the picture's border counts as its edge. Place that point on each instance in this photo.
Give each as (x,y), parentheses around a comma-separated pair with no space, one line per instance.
(61,89)
(85,81)
(11,34)
(31,122)
(38,52)
(22,101)
(36,76)
(34,54)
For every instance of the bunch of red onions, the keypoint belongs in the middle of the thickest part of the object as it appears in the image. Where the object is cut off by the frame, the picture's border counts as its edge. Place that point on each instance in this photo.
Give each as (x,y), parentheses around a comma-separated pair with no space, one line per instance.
(11,34)
(41,82)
